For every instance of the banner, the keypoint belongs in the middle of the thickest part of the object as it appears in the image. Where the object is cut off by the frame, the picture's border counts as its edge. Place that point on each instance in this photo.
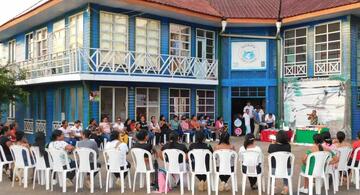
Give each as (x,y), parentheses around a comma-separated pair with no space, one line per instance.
(248,55)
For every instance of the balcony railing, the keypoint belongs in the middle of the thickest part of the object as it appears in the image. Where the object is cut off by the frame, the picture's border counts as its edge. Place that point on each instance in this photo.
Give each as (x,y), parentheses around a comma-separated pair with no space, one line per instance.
(327,67)
(299,70)
(129,63)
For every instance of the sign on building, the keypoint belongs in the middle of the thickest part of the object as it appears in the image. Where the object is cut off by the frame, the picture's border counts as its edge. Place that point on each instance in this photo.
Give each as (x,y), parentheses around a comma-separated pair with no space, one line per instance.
(248,55)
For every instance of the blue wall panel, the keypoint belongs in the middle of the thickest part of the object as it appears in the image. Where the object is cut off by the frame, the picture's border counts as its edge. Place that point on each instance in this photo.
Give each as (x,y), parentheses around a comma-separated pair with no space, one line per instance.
(131,102)
(164,101)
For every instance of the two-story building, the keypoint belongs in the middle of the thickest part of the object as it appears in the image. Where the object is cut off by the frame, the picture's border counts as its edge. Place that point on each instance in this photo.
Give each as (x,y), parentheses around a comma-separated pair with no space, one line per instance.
(88,59)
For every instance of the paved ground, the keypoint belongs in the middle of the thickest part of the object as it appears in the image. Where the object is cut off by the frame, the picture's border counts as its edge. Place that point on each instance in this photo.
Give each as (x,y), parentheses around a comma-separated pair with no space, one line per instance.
(5,186)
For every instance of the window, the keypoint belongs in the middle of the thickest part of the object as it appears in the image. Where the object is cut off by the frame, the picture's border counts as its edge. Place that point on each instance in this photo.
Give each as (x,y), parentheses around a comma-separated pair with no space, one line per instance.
(113,31)
(58,36)
(113,102)
(327,48)
(205,44)
(12,49)
(76,31)
(29,46)
(148,41)
(179,102)
(241,92)
(295,51)
(179,40)
(205,103)
(147,102)
(41,43)
(41,105)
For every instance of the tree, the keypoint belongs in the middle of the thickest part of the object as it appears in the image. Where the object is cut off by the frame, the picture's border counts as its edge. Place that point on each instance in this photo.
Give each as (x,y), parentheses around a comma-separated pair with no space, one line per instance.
(9,91)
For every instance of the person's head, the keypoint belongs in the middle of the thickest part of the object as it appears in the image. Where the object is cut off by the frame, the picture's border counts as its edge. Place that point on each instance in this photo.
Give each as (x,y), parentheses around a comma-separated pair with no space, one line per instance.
(318,140)
(270,115)
(340,136)
(57,135)
(314,112)
(77,123)
(162,118)
(5,131)
(12,126)
(114,135)
(247,111)
(92,121)
(173,137)
(193,117)
(175,118)
(199,136)
(142,135)
(64,124)
(19,135)
(249,140)
(40,141)
(105,119)
(326,136)
(142,118)
(282,137)
(128,121)
(153,119)
(86,134)
(183,118)
(248,104)
(224,138)
(219,118)
(201,117)
(137,126)
(207,118)
(118,119)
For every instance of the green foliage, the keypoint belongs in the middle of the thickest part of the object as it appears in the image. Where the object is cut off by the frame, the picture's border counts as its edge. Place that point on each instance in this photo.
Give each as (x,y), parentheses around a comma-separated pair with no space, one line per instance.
(9,91)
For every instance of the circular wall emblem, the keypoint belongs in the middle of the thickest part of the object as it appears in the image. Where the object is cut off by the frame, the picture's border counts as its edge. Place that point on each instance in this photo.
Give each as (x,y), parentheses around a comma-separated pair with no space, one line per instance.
(248,53)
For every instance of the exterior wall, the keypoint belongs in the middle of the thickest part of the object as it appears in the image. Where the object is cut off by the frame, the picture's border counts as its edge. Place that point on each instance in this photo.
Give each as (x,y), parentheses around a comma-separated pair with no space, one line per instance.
(248,78)
(355,73)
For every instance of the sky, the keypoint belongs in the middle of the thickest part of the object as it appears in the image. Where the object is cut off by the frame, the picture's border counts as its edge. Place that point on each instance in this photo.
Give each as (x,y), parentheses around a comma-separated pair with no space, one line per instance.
(11,8)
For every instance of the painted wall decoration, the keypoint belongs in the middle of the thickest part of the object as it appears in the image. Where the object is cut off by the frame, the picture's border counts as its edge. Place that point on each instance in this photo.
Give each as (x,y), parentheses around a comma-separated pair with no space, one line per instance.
(327,97)
(248,55)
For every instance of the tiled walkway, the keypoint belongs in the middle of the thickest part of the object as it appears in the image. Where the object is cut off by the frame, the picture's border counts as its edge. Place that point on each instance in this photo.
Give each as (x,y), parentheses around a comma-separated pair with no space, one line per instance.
(5,186)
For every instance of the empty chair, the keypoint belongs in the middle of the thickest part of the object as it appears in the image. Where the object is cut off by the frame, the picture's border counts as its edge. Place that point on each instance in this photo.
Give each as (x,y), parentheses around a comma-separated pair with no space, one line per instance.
(113,164)
(281,171)
(344,157)
(223,161)
(140,157)
(60,164)
(172,166)
(22,160)
(41,170)
(251,160)
(86,162)
(200,156)
(318,162)
(355,168)
(3,161)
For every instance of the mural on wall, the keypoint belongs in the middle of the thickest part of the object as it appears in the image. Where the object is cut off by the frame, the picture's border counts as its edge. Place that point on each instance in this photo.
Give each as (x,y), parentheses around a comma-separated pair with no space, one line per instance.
(248,55)
(327,97)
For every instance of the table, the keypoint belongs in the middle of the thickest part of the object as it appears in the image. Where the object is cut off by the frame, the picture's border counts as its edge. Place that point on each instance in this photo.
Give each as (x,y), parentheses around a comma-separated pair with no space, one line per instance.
(305,135)
(266,133)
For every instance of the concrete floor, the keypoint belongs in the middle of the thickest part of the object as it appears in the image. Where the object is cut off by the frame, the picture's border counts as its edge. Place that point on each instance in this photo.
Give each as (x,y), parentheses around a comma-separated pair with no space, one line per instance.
(5,186)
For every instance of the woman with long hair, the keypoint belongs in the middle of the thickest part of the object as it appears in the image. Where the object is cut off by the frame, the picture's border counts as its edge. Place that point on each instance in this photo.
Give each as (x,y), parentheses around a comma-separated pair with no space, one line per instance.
(250,145)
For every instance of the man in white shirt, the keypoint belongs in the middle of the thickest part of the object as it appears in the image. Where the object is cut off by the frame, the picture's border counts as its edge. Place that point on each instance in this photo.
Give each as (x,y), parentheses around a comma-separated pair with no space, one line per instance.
(247,119)
(270,120)
(250,108)
(76,130)
(118,125)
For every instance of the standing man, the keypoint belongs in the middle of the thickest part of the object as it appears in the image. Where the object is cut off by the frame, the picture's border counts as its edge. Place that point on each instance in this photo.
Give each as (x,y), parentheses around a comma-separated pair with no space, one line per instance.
(313,118)
(247,119)
(251,111)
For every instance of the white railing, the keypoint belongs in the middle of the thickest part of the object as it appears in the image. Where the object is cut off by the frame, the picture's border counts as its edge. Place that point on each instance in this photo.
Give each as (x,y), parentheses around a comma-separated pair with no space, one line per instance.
(128,63)
(295,70)
(327,67)
(40,126)
(28,126)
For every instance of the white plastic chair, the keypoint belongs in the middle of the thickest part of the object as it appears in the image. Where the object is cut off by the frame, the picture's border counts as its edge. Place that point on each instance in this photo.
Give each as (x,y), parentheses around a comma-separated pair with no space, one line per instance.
(138,156)
(112,164)
(172,166)
(40,168)
(225,158)
(56,158)
(3,161)
(130,141)
(355,170)
(154,140)
(199,156)
(281,169)
(252,159)
(18,153)
(187,137)
(82,157)
(345,154)
(321,161)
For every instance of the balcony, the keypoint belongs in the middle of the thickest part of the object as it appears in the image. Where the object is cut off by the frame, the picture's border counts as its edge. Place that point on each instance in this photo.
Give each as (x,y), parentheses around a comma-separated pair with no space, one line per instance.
(327,67)
(108,65)
(298,70)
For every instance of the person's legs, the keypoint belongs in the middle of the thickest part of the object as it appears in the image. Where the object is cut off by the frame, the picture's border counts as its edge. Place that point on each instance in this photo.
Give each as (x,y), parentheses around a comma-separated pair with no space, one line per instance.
(248,129)
(157,138)
(70,175)
(252,122)
(201,177)
(256,130)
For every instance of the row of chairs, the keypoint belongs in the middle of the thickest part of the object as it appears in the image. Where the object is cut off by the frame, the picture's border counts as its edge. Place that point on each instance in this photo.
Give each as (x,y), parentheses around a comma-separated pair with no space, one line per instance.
(222,158)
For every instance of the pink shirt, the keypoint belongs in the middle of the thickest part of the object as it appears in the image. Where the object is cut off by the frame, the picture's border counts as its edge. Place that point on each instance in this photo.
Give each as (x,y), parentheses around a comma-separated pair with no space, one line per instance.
(184,125)
(219,124)
(105,127)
